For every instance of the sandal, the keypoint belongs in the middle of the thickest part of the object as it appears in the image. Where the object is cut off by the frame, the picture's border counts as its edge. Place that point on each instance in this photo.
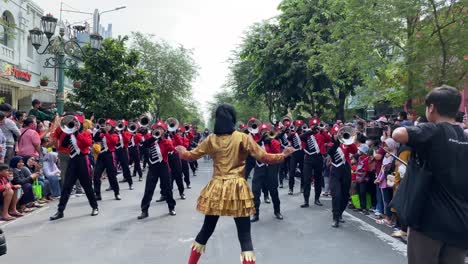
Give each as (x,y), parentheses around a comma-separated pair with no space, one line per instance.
(9,218)
(27,210)
(38,205)
(382,222)
(16,214)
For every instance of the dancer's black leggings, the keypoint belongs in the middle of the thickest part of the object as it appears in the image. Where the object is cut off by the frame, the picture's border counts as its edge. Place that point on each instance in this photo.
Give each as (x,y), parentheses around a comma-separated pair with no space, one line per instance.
(243,231)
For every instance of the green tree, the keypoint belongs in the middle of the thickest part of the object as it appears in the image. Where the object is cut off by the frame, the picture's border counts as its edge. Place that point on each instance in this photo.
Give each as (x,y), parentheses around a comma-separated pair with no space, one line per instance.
(112,84)
(172,71)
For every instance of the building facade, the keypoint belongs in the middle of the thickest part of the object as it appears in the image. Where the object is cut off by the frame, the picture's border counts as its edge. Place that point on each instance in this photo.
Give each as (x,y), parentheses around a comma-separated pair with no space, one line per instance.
(20,65)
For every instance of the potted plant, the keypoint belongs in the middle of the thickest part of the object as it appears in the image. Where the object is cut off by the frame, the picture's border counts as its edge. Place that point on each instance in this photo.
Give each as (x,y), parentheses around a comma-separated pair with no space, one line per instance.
(44,81)
(77,84)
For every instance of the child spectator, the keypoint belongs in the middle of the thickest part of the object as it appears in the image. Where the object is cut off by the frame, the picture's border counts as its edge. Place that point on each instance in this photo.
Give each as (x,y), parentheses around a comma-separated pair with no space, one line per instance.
(362,177)
(9,193)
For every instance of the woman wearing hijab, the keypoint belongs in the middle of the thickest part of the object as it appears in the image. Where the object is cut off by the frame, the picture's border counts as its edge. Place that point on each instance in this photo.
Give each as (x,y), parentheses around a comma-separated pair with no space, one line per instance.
(52,173)
(31,165)
(26,181)
(228,194)
(385,192)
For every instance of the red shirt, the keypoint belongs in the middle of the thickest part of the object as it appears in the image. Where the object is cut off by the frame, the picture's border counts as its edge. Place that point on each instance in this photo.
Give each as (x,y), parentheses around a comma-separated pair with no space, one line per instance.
(177,140)
(126,137)
(362,168)
(256,137)
(137,138)
(3,183)
(274,147)
(84,140)
(59,135)
(111,140)
(348,150)
(186,142)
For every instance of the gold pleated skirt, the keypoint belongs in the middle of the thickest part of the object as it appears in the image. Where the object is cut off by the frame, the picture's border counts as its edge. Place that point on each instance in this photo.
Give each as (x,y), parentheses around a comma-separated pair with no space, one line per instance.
(226,197)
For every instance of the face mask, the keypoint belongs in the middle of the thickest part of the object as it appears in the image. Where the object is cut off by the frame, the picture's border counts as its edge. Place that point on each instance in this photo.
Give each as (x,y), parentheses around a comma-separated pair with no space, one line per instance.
(368,143)
(382,138)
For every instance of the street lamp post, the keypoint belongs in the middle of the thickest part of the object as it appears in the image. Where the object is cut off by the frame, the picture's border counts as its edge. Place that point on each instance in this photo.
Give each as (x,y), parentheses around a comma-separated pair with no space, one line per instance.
(67,53)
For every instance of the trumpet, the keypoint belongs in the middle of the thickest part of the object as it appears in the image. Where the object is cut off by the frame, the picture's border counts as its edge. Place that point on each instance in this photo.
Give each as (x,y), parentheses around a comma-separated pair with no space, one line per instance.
(120,126)
(271,134)
(156,133)
(69,124)
(346,135)
(254,125)
(172,124)
(145,120)
(133,127)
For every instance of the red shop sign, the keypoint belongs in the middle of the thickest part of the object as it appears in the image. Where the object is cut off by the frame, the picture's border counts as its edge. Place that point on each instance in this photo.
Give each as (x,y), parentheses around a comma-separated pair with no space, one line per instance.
(21,75)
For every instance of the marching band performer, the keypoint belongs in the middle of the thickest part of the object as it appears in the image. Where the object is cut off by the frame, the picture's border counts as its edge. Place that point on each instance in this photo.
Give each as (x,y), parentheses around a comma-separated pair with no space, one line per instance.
(185,164)
(134,150)
(340,177)
(297,158)
(108,139)
(283,139)
(79,142)
(266,175)
(175,163)
(121,151)
(159,149)
(144,152)
(315,140)
(228,193)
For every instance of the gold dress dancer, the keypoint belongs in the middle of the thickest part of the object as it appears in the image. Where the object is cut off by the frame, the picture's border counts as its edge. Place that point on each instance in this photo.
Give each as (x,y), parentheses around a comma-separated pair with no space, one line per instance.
(228,193)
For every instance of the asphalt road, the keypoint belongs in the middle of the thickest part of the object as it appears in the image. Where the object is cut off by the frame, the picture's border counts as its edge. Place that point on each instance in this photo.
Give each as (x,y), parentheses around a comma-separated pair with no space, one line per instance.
(305,236)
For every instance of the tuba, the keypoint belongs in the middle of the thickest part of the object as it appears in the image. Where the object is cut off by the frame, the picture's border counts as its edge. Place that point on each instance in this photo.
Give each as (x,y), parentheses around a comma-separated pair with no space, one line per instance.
(172,124)
(120,126)
(346,135)
(305,127)
(69,124)
(156,133)
(271,134)
(322,125)
(101,123)
(132,127)
(285,119)
(145,120)
(254,125)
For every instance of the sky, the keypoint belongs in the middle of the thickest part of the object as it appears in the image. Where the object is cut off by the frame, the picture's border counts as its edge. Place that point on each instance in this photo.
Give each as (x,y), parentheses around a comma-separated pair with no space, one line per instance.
(212,28)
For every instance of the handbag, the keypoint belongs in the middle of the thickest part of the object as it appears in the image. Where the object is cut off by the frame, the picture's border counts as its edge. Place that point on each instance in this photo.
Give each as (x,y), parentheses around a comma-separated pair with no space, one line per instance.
(37,189)
(3,246)
(413,192)
(390,180)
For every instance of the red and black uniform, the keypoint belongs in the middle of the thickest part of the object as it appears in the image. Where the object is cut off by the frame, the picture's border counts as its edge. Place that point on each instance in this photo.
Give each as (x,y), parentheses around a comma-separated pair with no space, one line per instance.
(185,164)
(106,161)
(134,154)
(194,138)
(314,149)
(250,161)
(78,169)
(283,167)
(266,176)
(175,164)
(144,152)
(121,155)
(340,177)
(296,160)
(159,150)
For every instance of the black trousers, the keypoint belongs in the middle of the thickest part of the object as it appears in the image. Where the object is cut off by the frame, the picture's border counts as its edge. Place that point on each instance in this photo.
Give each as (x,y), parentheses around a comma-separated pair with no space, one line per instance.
(249,165)
(186,171)
(296,159)
(176,173)
(243,231)
(340,182)
(283,170)
(106,162)
(157,171)
(193,165)
(266,176)
(134,155)
(362,189)
(313,166)
(121,156)
(144,156)
(77,169)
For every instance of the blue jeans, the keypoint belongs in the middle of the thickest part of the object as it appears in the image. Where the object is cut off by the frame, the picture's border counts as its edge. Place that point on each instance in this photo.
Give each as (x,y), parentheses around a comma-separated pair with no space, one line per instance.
(387,198)
(379,207)
(54,183)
